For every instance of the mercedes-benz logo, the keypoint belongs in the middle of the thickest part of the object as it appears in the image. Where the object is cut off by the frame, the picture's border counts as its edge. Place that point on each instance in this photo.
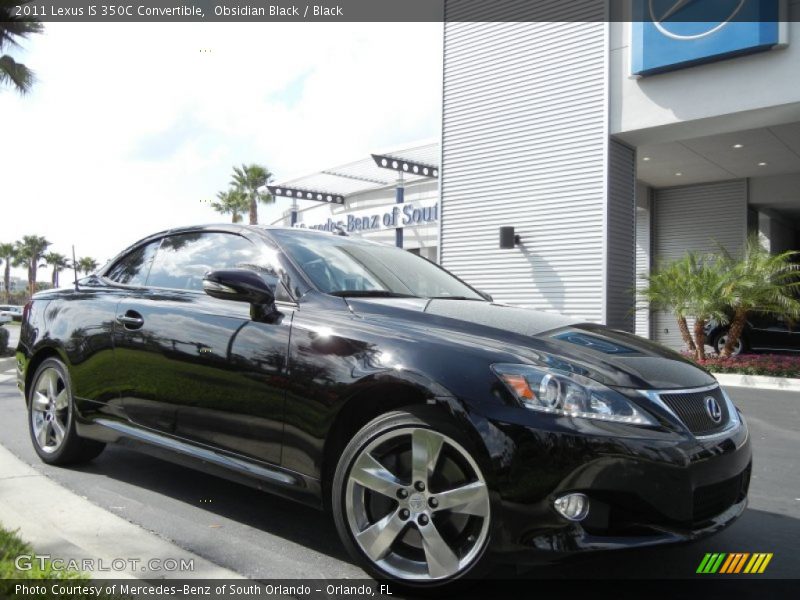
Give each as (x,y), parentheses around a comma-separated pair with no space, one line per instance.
(661,21)
(713,409)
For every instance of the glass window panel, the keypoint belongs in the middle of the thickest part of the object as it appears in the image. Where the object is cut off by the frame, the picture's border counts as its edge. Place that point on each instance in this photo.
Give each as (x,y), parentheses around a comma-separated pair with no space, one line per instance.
(133,268)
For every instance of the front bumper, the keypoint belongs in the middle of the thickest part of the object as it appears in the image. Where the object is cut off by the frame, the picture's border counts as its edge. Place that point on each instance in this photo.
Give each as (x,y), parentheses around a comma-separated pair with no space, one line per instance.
(643,491)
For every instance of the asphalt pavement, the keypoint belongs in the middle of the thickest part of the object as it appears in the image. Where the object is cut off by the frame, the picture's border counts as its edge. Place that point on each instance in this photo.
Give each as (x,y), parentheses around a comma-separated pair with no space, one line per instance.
(261,536)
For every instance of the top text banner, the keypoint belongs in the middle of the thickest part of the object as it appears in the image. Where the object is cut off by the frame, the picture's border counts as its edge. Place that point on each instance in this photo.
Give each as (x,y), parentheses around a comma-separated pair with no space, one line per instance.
(657,11)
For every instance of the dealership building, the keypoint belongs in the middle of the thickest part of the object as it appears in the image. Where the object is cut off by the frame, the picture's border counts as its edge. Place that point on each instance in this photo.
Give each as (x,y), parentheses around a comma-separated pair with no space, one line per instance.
(607,146)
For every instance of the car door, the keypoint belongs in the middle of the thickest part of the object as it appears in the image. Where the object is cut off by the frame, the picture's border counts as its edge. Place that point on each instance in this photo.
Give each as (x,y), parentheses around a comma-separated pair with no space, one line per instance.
(198,367)
(792,336)
(83,321)
(768,332)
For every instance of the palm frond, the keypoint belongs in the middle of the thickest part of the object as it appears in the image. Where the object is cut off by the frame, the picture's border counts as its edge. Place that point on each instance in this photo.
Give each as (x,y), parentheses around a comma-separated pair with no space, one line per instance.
(20,76)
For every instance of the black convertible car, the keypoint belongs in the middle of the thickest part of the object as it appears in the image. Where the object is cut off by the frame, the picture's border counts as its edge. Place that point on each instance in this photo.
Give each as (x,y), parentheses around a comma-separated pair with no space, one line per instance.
(440,429)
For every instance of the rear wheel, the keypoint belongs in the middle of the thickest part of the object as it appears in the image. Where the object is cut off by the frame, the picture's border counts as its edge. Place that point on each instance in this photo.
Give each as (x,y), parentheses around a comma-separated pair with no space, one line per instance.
(411,502)
(719,344)
(51,418)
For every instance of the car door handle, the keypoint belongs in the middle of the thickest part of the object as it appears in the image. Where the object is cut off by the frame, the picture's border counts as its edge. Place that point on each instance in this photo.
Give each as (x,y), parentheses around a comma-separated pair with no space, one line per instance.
(131,320)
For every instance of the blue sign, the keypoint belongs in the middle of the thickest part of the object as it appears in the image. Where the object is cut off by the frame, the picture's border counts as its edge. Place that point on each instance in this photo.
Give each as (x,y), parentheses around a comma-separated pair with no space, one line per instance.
(673,34)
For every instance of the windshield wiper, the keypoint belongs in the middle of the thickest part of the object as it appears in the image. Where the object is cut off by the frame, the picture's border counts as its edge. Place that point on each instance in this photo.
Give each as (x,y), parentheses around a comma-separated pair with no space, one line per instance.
(452,298)
(370,294)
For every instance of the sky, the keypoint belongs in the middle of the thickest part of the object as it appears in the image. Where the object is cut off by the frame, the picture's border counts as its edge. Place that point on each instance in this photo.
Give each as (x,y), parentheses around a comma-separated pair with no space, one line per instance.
(133,128)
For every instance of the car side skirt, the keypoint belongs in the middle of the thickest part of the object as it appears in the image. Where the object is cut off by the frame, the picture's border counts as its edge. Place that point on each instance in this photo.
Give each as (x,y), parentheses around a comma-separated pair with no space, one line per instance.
(272,478)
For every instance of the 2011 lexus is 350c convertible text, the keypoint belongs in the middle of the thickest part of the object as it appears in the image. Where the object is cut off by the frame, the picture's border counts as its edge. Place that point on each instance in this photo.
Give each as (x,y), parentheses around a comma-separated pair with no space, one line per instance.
(441,429)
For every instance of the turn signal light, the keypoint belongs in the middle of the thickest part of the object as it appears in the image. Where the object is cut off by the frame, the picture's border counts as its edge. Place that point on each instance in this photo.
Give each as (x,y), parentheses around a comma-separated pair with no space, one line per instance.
(519,384)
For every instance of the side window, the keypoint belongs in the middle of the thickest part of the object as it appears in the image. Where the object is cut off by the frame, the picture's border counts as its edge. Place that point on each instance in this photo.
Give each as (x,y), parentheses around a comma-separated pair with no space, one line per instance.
(182,260)
(132,269)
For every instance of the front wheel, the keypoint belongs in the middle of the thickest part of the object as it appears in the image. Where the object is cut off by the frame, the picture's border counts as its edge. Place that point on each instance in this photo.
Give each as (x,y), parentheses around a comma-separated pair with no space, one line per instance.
(719,344)
(411,502)
(51,417)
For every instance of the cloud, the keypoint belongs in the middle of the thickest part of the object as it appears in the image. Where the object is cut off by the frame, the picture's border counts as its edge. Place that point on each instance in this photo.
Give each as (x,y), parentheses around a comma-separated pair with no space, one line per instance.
(131,126)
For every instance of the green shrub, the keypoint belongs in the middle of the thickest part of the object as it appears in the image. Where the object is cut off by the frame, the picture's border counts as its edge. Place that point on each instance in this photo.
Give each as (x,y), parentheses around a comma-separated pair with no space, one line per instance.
(11,547)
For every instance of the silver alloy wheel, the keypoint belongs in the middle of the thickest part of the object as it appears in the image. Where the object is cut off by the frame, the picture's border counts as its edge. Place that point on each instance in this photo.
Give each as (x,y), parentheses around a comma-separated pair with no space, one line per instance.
(425,517)
(723,339)
(50,410)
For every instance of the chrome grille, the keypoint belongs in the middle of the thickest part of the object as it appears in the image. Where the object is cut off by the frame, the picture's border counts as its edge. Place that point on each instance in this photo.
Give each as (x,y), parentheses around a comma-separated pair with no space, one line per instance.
(690,407)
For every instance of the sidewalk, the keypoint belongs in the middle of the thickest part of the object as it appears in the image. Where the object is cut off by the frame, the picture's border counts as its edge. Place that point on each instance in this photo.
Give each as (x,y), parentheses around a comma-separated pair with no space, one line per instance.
(64,525)
(784,384)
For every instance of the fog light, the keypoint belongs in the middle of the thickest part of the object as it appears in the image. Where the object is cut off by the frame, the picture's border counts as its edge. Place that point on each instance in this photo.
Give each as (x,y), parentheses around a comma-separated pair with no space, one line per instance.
(574,507)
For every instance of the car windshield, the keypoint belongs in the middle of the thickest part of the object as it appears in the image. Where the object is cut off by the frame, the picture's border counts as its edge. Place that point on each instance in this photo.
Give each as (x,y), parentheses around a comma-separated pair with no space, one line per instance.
(345,266)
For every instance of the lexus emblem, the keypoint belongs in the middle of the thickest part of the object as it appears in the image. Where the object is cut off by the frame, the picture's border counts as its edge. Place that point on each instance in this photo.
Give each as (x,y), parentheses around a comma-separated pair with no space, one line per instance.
(713,409)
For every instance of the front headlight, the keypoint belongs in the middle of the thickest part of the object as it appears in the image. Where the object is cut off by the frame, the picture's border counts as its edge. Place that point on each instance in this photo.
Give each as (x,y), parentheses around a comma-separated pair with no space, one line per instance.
(568,394)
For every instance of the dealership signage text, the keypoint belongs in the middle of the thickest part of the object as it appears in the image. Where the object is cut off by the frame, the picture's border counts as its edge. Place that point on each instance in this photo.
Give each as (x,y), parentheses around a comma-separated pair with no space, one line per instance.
(401,215)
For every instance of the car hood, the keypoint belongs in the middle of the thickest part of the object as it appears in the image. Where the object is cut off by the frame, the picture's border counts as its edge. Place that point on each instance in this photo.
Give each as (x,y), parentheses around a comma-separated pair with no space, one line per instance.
(612,357)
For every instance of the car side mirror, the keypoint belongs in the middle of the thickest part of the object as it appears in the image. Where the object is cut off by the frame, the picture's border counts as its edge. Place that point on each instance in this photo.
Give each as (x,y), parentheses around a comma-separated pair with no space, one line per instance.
(241,285)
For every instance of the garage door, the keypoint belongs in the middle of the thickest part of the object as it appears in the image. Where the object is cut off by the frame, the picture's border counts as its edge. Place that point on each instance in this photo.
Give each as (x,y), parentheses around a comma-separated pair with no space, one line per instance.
(700,218)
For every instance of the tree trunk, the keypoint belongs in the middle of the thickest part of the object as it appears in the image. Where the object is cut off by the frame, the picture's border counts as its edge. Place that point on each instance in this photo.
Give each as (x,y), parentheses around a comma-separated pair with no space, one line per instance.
(687,337)
(253,210)
(31,279)
(7,279)
(55,277)
(700,339)
(735,332)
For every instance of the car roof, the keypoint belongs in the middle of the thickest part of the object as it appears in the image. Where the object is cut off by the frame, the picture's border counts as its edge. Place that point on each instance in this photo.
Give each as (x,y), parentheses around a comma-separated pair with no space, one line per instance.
(235,228)
(262,230)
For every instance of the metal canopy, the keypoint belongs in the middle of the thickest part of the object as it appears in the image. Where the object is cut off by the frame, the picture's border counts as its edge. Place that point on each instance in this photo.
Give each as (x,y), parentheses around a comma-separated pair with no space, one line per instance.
(305,194)
(365,175)
(407,167)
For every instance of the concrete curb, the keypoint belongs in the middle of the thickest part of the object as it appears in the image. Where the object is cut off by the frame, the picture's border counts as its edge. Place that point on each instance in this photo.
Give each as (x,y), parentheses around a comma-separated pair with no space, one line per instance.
(66,526)
(785,384)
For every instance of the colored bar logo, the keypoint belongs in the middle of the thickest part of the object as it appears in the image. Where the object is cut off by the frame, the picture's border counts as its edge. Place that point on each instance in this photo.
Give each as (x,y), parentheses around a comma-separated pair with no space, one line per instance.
(734,563)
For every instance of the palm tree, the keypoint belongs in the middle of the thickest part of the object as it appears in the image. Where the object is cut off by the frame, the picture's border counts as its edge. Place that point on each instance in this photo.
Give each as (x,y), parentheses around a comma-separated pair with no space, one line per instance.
(58,262)
(232,202)
(247,179)
(13,29)
(707,278)
(692,286)
(668,289)
(7,256)
(29,251)
(760,282)
(87,265)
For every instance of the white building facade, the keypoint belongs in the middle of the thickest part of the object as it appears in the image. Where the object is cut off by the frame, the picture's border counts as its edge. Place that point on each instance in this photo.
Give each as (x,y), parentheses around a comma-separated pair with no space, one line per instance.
(608,146)
(611,146)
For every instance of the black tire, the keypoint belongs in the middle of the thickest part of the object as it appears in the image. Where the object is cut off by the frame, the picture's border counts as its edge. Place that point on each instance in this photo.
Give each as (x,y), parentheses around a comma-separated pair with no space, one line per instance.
(414,539)
(72,449)
(719,344)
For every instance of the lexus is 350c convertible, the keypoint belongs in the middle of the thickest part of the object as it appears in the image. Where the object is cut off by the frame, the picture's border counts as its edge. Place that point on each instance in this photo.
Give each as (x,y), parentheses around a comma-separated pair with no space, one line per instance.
(440,429)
